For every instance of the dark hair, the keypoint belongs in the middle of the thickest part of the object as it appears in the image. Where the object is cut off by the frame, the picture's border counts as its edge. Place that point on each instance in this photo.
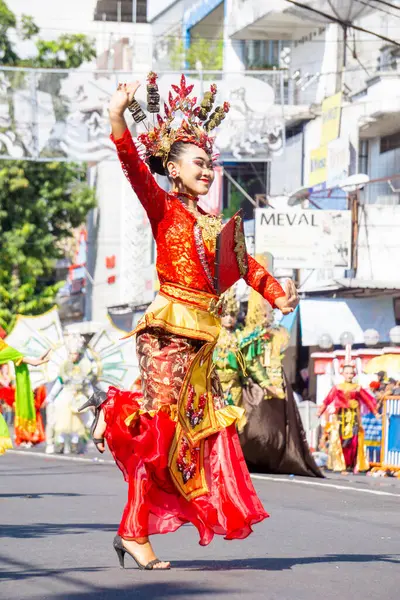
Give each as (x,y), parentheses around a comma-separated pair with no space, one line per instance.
(156,163)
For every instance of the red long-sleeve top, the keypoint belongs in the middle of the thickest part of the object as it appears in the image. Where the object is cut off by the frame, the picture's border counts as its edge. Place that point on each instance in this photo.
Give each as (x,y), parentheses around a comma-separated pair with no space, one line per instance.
(173,227)
(342,394)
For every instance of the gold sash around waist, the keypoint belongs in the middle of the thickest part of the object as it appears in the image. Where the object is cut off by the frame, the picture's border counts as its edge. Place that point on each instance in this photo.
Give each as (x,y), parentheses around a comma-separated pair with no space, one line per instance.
(183,311)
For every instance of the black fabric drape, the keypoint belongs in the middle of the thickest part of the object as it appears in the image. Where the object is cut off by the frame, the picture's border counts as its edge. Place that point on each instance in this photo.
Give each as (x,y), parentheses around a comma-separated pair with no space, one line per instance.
(274,440)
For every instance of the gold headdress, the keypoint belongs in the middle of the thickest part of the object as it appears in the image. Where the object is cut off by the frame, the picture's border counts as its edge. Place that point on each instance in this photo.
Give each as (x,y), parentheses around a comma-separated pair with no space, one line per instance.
(230,303)
(194,127)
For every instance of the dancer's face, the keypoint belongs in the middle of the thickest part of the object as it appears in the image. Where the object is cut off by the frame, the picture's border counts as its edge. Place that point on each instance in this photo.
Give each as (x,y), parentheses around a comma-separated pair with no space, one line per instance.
(348,374)
(194,169)
(228,321)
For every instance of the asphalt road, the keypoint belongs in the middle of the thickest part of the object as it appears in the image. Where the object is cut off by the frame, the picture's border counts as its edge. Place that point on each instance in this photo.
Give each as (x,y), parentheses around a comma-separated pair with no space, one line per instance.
(336,539)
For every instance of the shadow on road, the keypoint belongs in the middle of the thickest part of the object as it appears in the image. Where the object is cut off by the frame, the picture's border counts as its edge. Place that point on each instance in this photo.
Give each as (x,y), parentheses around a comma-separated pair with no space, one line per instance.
(40,495)
(18,571)
(281,564)
(143,591)
(42,530)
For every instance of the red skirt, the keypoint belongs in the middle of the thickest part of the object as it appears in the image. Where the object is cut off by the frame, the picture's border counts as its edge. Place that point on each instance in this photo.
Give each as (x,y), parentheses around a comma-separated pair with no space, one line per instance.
(141,451)
(8,395)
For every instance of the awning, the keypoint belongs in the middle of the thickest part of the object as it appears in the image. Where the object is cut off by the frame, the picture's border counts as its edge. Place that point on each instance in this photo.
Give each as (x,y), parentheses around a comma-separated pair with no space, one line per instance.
(335,316)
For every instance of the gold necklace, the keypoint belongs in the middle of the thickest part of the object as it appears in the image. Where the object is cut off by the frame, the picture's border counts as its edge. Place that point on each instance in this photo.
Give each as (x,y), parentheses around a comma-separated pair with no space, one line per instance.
(227,342)
(210,225)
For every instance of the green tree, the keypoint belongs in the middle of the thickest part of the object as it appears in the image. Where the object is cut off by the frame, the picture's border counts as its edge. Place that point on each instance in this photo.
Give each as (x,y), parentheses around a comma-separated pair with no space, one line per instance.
(40,203)
(208,52)
(235,203)
(7,22)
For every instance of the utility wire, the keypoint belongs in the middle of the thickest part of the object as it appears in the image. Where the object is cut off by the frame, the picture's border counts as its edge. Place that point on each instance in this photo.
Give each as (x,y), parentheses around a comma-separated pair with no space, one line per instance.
(344,24)
(395,6)
(381,10)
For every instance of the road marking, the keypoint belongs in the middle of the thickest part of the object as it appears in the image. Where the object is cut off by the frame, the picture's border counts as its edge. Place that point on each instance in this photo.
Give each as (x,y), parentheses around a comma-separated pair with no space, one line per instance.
(325,485)
(102,461)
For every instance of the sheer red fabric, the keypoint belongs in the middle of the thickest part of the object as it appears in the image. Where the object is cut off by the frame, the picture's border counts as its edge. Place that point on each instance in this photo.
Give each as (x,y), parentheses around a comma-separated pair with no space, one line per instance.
(349,449)
(154,505)
(340,397)
(8,395)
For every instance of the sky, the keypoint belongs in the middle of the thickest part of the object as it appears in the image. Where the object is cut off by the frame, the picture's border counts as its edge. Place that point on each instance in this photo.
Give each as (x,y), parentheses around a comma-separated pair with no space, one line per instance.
(56,16)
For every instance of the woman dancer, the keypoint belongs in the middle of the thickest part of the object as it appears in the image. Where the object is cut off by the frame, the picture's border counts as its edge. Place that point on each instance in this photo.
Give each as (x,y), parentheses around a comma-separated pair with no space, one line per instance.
(178,447)
(25,413)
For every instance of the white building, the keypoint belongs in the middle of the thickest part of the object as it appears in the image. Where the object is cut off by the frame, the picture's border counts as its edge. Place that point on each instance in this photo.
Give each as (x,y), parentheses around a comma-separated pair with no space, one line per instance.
(119,270)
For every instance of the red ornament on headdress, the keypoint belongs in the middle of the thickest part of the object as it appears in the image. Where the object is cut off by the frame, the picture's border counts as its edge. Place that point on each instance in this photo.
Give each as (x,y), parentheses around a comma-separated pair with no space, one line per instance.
(159,140)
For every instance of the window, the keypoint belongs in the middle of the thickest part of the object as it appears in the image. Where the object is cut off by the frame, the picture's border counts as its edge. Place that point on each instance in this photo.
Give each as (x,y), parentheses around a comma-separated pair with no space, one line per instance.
(253,178)
(388,58)
(390,142)
(396,306)
(363,156)
(265,54)
(121,10)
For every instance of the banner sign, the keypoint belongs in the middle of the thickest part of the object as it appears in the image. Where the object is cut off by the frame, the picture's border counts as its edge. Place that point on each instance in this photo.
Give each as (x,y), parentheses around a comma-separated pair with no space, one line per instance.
(317,166)
(304,239)
(331,111)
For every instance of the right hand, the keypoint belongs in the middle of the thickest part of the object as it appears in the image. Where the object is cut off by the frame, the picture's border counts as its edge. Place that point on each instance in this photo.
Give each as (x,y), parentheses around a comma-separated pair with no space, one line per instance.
(320,410)
(288,303)
(122,97)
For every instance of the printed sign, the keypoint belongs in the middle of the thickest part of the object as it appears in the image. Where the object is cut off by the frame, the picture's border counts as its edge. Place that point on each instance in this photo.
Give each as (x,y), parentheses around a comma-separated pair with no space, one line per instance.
(309,239)
(331,110)
(317,166)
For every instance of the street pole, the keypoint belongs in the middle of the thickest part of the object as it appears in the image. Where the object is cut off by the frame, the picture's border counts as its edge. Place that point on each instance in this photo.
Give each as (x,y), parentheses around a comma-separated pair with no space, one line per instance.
(354,207)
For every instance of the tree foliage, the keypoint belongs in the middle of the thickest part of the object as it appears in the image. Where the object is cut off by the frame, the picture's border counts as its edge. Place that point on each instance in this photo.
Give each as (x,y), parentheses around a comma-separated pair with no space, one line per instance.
(39,208)
(40,203)
(208,52)
(7,21)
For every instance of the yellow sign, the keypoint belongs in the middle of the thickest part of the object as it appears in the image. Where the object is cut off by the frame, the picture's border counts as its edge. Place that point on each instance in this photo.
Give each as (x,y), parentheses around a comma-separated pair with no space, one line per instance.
(318,171)
(331,110)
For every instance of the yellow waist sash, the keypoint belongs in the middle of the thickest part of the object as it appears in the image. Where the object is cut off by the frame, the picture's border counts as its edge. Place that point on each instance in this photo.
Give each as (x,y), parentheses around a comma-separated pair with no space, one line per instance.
(183,311)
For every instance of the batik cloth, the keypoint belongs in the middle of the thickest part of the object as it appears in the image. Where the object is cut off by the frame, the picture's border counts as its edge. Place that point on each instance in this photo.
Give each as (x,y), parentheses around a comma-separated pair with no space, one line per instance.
(172,479)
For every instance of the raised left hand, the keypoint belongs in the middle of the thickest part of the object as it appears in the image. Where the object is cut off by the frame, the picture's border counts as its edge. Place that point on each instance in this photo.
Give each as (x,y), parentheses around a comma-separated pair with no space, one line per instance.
(288,303)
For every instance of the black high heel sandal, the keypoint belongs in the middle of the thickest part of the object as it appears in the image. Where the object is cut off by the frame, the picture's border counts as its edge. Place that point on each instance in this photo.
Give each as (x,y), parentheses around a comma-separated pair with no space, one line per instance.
(121,551)
(96,400)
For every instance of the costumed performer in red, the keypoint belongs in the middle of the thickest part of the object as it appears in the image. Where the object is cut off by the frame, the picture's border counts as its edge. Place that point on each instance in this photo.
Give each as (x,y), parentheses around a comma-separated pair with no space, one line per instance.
(178,447)
(346,435)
